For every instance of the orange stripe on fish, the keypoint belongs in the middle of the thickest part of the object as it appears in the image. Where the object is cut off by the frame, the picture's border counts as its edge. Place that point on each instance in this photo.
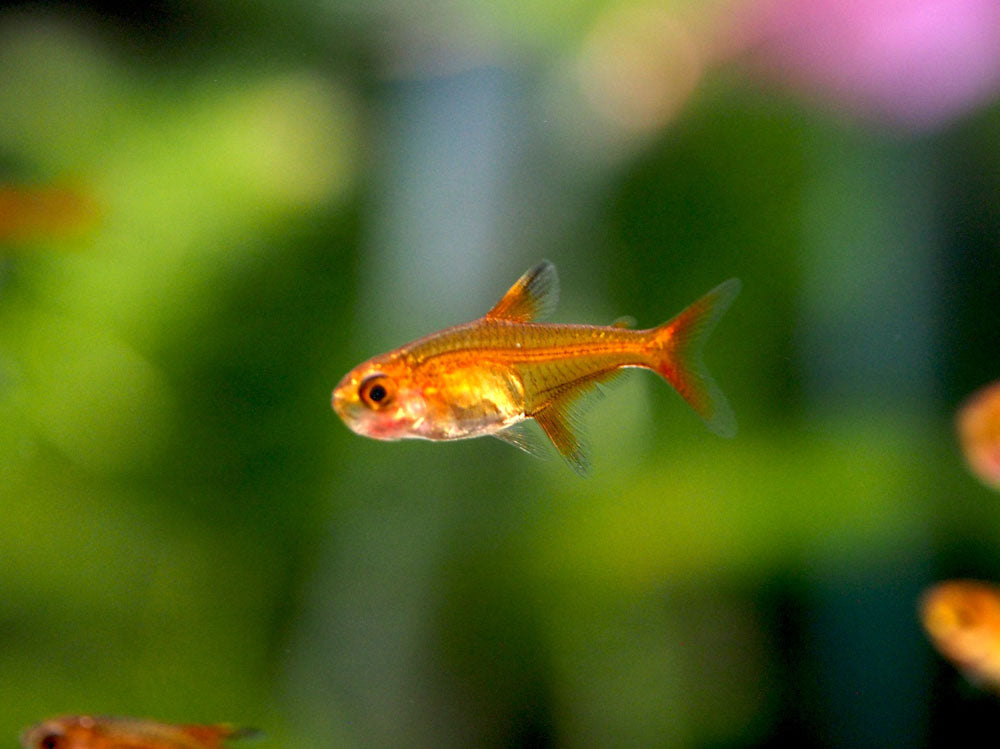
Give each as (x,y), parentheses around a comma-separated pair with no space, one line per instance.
(487,376)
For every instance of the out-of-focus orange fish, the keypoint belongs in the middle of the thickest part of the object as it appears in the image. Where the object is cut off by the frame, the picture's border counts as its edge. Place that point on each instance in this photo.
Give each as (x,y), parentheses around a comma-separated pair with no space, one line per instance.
(978,425)
(487,376)
(962,618)
(86,732)
(44,212)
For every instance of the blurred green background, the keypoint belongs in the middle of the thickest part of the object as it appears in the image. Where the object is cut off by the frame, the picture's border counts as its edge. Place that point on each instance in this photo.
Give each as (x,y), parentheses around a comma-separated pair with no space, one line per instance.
(215,208)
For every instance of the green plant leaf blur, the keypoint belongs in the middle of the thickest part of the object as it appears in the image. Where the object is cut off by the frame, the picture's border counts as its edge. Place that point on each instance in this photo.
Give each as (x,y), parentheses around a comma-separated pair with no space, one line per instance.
(210,210)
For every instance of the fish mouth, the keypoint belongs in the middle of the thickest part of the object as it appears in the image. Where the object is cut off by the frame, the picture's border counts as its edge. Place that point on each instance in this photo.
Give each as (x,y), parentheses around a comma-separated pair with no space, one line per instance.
(355,415)
(30,736)
(389,425)
(343,405)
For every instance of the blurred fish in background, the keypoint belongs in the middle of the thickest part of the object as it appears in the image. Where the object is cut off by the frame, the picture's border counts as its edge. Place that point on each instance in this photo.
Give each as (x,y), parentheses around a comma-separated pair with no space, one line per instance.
(100,732)
(37,212)
(978,424)
(962,618)
(284,187)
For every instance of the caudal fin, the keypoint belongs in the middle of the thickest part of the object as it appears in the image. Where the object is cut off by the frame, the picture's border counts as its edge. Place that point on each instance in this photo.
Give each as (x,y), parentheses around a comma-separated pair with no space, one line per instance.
(676,348)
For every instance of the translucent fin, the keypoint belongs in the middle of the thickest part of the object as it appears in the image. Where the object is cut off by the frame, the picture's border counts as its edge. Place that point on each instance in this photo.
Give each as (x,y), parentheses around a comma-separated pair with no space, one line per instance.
(561,416)
(520,436)
(626,321)
(246,734)
(532,297)
(676,348)
(556,420)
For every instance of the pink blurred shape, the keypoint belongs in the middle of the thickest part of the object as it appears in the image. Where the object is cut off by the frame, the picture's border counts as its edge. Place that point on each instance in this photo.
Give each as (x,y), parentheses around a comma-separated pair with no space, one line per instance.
(918,63)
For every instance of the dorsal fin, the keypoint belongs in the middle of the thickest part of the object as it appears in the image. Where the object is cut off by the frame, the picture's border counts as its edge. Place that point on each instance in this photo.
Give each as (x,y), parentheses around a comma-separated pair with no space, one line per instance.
(533,296)
(625,322)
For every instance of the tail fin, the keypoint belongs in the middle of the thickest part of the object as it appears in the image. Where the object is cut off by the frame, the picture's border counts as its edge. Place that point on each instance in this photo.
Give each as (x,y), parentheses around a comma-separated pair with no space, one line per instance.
(676,351)
(245,732)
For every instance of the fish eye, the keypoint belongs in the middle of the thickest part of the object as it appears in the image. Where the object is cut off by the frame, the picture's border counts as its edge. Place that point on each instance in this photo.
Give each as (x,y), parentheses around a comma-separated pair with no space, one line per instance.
(50,741)
(377,391)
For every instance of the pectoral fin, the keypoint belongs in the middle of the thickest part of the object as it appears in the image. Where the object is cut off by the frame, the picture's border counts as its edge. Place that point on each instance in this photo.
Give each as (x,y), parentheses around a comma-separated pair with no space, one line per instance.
(532,297)
(520,437)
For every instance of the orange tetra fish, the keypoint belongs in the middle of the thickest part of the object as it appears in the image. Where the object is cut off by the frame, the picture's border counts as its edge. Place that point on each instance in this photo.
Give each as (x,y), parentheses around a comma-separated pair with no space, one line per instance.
(487,376)
(962,618)
(86,732)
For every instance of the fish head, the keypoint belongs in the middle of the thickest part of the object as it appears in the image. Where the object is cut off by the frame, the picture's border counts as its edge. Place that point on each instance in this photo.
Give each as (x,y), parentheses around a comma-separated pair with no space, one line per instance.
(380,399)
(963,619)
(71,732)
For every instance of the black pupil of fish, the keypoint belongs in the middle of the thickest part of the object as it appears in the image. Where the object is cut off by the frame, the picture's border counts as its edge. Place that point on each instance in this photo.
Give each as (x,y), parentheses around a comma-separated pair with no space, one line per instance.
(376,393)
(50,742)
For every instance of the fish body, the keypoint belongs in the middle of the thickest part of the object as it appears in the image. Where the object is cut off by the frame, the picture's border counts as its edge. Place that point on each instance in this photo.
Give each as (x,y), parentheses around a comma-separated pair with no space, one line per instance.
(962,618)
(87,732)
(486,376)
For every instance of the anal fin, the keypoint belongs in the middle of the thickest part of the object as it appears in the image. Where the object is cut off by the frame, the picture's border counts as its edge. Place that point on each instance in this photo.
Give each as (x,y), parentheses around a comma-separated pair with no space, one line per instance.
(556,421)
